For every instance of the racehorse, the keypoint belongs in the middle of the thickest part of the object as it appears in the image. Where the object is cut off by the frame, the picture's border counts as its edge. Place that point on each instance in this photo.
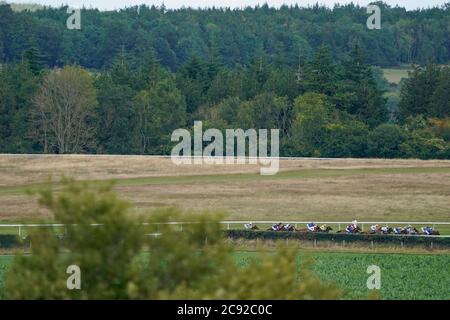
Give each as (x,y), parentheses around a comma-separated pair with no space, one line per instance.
(316,229)
(282,227)
(306,230)
(327,229)
(278,227)
(410,231)
(290,228)
(388,231)
(380,230)
(354,231)
(433,233)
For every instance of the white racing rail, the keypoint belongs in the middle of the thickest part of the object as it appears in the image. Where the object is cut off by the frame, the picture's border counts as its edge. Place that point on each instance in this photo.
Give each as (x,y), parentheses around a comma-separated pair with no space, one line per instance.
(240,224)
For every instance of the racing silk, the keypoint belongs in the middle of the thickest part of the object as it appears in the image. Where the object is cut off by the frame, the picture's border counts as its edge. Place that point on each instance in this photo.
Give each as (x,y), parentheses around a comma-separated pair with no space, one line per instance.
(286,227)
(427,230)
(350,228)
(384,229)
(275,227)
(311,226)
(397,230)
(374,227)
(248,226)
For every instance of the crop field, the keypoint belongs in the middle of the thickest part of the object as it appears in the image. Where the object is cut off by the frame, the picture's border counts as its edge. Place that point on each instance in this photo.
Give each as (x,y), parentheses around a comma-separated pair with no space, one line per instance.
(4,263)
(403,276)
(334,190)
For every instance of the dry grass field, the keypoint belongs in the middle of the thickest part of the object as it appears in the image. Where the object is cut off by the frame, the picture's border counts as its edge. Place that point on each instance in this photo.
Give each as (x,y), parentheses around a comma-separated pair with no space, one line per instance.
(342,189)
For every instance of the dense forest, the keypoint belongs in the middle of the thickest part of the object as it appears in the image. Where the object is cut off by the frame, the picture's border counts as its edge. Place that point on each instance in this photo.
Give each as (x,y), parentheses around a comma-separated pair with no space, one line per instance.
(235,35)
(128,78)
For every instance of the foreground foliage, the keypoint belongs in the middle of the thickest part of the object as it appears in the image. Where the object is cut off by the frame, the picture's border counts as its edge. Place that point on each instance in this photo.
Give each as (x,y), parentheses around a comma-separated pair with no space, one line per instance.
(195,263)
(402,274)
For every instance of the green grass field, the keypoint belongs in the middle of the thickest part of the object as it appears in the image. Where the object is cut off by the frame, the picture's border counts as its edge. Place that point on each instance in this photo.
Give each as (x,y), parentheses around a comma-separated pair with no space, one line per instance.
(4,263)
(403,276)
(395,75)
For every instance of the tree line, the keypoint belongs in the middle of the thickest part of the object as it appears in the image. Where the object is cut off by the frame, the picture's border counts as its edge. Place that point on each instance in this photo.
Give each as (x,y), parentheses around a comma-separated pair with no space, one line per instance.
(323,108)
(236,35)
(330,102)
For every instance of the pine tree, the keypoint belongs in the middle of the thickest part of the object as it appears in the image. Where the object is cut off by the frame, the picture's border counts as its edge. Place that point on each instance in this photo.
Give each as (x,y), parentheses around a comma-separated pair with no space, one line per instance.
(320,74)
(150,73)
(34,59)
(192,79)
(440,101)
(417,92)
(357,90)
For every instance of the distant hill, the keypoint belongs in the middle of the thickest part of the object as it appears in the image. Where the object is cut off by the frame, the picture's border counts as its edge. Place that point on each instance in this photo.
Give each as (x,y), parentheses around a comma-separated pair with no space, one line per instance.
(18,7)
(283,36)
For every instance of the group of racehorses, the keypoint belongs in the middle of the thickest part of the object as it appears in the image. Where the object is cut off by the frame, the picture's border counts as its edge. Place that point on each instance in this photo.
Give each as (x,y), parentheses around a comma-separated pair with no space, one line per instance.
(350,229)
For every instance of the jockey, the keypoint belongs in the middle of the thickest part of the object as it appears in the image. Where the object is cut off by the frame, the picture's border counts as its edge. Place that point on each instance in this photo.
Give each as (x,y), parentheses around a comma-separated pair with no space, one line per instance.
(277,226)
(311,226)
(375,228)
(427,230)
(384,229)
(349,228)
(412,230)
(323,227)
(248,225)
(397,230)
(407,228)
(287,226)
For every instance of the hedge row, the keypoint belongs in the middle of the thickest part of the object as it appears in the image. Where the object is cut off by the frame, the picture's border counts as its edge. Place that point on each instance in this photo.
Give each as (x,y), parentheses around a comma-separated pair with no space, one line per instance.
(8,241)
(338,237)
(14,241)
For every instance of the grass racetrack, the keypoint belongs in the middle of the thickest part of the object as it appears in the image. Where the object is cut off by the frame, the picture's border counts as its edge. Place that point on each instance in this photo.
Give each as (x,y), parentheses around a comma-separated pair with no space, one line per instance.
(344,189)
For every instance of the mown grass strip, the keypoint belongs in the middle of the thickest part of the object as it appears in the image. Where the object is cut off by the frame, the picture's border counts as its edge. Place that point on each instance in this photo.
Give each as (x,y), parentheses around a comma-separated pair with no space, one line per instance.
(223,178)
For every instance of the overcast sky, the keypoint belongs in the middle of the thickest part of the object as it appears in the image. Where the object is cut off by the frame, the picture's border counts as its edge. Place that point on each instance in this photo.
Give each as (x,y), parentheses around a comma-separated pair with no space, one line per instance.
(114,4)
